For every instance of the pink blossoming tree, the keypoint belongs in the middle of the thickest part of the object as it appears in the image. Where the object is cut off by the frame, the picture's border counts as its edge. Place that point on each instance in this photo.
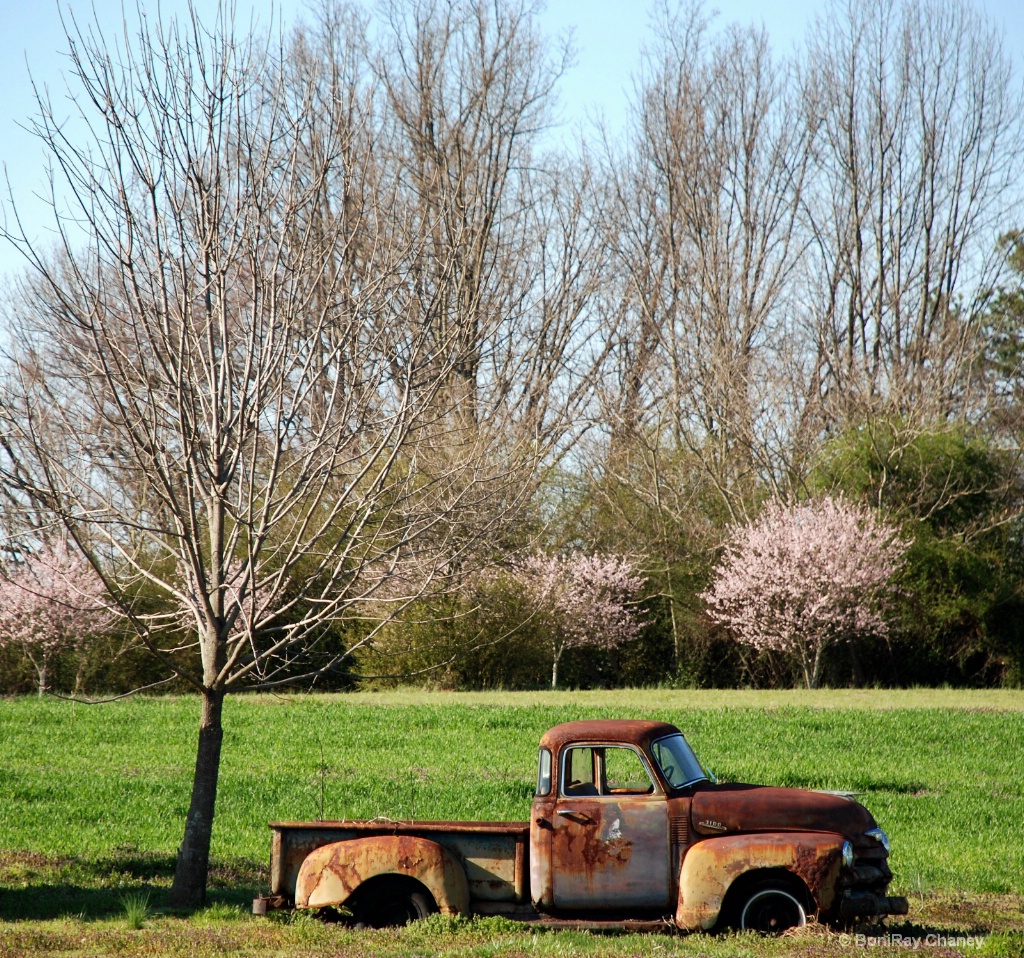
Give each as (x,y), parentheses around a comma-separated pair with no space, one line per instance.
(584,600)
(50,602)
(804,577)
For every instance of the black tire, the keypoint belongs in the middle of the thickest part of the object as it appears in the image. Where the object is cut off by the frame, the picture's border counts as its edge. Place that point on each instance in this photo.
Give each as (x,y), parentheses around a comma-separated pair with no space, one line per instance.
(771,908)
(391,903)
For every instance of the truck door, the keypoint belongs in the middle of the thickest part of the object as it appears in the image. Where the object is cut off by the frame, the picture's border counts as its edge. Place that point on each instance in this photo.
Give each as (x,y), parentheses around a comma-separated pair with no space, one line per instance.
(609,834)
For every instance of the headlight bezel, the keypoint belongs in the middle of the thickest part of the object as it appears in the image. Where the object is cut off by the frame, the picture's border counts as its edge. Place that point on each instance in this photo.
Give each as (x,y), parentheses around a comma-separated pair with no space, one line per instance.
(848,856)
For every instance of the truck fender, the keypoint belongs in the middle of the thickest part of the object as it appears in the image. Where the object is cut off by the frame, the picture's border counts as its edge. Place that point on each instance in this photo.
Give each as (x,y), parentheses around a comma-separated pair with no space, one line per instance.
(711,867)
(331,873)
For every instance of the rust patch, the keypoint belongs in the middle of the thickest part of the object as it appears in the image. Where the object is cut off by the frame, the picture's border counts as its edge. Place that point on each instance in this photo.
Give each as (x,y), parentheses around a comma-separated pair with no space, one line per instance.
(608,854)
(584,847)
(818,867)
(345,873)
(330,874)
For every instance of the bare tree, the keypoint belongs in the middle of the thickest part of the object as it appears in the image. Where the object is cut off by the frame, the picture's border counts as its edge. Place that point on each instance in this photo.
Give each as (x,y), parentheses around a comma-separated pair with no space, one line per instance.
(917,126)
(705,217)
(212,384)
(506,263)
(796,251)
(1001,365)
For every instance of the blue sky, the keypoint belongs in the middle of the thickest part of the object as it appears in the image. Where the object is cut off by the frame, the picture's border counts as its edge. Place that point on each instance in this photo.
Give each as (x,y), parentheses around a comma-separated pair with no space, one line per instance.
(608,36)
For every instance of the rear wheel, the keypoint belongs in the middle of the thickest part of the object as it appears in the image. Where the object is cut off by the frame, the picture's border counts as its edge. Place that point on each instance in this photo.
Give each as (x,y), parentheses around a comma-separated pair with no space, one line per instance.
(388,903)
(771,908)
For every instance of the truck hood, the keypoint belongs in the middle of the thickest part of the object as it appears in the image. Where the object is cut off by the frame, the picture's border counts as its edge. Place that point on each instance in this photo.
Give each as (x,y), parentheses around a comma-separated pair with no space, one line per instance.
(727,809)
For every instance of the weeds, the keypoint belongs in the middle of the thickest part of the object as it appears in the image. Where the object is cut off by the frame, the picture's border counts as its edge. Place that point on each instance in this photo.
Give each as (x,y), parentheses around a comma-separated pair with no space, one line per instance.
(136,909)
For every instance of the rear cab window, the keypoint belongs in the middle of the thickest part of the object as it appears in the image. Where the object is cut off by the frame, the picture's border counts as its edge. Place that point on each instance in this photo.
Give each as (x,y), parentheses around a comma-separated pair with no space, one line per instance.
(544,773)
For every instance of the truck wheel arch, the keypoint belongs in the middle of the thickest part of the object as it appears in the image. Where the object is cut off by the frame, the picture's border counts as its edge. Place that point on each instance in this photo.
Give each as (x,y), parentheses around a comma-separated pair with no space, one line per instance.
(390,900)
(331,874)
(716,872)
(758,884)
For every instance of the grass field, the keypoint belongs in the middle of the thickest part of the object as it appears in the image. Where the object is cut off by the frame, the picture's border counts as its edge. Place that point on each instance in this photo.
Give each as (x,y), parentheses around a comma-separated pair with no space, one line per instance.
(94,798)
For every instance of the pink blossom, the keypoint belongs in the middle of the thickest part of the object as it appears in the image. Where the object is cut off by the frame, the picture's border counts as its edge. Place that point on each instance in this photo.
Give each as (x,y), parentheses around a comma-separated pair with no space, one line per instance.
(803,577)
(50,602)
(585,600)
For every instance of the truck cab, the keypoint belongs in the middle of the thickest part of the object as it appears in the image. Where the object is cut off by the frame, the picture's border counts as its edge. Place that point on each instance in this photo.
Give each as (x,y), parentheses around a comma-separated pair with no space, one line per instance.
(627,823)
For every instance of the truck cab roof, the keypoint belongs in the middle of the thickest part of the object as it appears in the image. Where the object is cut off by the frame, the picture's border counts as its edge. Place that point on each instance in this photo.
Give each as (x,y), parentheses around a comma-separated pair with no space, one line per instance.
(622,731)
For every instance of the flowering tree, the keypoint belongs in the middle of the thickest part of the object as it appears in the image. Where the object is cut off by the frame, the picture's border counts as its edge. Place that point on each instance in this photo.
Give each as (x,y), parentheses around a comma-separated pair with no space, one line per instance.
(804,577)
(584,599)
(50,603)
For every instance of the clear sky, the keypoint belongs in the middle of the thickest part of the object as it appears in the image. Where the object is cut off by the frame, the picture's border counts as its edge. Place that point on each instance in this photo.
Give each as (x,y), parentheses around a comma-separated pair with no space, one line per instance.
(608,35)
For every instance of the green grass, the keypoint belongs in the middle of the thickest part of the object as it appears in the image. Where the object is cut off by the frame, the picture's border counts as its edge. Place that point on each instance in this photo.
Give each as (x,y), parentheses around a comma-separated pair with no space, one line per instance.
(94,797)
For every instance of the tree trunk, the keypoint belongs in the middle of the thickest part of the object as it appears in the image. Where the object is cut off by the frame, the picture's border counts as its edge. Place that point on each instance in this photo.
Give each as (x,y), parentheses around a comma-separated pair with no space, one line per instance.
(554,670)
(816,672)
(189,888)
(675,624)
(809,668)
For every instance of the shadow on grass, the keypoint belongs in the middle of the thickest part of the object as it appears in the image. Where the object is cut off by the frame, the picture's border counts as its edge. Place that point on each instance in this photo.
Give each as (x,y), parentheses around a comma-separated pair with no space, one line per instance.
(41,887)
(924,934)
(863,787)
(44,902)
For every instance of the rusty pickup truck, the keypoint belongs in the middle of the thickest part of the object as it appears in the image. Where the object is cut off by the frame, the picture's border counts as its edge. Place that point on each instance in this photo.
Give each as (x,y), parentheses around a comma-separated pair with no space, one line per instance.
(626,830)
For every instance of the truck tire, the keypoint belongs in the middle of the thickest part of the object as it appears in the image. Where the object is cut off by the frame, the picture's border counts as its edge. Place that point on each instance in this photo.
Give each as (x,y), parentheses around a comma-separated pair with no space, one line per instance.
(391,902)
(771,907)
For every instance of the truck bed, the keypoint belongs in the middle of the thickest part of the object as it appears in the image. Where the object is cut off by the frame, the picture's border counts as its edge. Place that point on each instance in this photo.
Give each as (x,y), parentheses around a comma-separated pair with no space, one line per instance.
(495,854)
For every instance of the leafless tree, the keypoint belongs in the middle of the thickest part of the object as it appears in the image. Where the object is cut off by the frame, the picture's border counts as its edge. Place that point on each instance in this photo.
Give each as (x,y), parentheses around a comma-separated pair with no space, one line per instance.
(506,263)
(705,217)
(917,127)
(214,384)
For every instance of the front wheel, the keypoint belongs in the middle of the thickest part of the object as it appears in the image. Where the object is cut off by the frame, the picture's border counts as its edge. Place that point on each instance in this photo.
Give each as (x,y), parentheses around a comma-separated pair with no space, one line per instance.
(771,908)
(392,902)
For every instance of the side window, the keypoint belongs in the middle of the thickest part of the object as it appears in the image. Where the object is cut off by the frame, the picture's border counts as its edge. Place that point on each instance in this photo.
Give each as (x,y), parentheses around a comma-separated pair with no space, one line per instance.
(579,772)
(544,773)
(611,770)
(625,774)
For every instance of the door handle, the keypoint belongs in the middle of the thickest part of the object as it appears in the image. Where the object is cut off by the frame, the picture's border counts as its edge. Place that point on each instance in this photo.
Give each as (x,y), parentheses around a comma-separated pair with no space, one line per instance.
(573,813)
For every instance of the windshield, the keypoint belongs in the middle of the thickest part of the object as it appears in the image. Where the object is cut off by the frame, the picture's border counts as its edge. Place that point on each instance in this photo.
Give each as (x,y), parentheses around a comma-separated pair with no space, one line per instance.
(677,762)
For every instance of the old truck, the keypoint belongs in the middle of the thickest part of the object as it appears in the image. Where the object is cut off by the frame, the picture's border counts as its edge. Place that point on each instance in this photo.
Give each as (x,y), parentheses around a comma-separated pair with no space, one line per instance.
(626,830)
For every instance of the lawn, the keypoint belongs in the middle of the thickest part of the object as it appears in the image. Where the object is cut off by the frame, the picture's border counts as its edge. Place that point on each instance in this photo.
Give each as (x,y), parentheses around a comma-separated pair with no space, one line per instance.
(94,797)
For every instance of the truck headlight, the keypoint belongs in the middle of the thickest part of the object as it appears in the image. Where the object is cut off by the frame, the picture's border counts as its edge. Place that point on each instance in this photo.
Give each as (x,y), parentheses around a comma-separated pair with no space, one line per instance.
(879,836)
(847,855)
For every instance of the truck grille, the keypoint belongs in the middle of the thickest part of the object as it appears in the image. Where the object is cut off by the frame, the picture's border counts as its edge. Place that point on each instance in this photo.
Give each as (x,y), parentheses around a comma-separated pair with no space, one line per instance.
(870,869)
(863,887)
